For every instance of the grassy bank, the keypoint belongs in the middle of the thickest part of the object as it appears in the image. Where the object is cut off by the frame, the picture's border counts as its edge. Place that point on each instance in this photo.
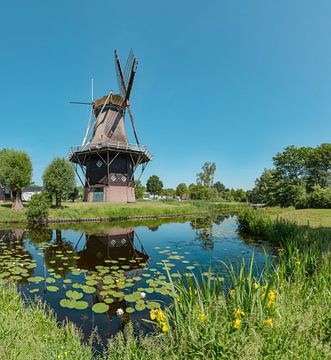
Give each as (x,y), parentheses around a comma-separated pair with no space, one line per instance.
(80,210)
(281,314)
(312,217)
(27,333)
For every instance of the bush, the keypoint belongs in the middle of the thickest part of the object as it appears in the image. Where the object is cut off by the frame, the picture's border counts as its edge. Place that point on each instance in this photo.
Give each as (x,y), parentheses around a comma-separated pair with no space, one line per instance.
(38,208)
(320,198)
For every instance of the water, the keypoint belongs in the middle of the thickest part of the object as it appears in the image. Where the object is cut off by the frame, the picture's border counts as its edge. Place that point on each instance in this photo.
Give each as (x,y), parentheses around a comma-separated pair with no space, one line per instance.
(107,262)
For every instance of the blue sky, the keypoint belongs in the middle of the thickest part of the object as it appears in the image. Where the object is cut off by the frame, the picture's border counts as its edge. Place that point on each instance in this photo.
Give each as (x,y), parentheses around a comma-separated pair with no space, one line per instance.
(231,82)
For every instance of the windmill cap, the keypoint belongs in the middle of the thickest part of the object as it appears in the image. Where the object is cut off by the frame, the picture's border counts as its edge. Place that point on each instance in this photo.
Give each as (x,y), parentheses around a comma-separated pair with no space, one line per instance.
(114,99)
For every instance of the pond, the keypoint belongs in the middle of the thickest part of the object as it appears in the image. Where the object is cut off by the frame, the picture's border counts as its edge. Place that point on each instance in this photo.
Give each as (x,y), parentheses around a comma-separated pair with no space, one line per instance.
(87,272)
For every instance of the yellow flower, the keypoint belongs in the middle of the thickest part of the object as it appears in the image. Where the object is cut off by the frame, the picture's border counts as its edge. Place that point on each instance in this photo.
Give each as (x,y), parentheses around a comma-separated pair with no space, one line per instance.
(232,292)
(237,323)
(271,298)
(59,356)
(160,315)
(152,314)
(202,316)
(239,313)
(164,327)
(268,322)
(256,286)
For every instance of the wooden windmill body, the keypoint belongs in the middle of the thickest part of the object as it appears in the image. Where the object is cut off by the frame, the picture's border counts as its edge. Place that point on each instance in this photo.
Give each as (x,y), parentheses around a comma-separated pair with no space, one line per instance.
(107,160)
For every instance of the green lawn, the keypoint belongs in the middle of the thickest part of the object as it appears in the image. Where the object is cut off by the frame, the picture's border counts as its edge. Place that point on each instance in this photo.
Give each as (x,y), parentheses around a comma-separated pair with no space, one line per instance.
(102,210)
(312,217)
(27,333)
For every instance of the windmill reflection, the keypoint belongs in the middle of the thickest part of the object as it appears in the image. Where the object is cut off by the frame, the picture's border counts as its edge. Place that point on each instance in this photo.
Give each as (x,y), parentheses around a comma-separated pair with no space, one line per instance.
(112,244)
(117,246)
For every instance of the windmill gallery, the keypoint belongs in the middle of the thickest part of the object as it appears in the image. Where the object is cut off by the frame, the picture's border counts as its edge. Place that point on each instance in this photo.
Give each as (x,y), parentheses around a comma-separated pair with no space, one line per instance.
(106,159)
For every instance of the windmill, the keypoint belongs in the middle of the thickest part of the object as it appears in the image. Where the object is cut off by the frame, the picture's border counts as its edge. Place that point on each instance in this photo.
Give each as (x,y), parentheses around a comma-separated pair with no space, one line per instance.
(106,158)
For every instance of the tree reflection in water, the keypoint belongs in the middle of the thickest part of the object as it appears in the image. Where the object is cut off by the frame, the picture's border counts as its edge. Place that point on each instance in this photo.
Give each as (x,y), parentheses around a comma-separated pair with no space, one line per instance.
(203,228)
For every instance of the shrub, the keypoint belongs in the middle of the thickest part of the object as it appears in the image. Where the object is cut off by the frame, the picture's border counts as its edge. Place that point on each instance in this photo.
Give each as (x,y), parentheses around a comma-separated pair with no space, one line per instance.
(38,208)
(320,198)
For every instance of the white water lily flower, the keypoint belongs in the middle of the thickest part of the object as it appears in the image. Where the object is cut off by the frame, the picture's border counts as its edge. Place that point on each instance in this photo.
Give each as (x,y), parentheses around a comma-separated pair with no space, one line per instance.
(119,312)
(143,295)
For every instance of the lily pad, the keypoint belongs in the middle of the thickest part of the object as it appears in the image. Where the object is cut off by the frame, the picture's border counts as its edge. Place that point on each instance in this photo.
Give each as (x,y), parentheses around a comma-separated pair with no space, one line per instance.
(100,308)
(129,310)
(74,295)
(52,288)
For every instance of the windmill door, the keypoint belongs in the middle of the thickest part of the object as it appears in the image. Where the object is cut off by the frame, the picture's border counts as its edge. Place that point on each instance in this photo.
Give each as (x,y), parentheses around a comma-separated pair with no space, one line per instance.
(98,195)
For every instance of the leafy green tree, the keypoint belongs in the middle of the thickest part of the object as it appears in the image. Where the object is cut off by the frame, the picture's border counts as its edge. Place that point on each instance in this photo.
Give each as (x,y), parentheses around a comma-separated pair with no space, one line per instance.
(290,163)
(198,192)
(59,179)
(318,165)
(181,190)
(206,176)
(154,185)
(264,191)
(139,189)
(169,193)
(15,172)
(219,187)
(37,211)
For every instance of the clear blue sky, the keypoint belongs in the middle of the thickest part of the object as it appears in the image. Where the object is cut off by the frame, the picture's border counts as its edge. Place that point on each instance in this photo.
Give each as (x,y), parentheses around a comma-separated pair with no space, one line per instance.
(231,82)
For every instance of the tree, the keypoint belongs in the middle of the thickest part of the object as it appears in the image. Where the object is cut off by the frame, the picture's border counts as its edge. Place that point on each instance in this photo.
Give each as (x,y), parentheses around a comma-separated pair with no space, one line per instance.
(154,185)
(206,176)
(169,193)
(198,192)
(318,164)
(59,179)
(264,191)
(15,172)
(290,163)
(181,190)
(38,209)
(139,189)
(74,194)
(219,187)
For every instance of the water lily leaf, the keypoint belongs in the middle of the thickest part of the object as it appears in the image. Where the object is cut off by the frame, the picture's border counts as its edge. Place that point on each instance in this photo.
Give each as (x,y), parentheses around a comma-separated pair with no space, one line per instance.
(129,310)
(33,290)
(190,267)
(50,280)
(100,308)
(67,281)
(52,288)
(35,279)
(152,305)
(108,300)
(80,305)
(140,306)
(88,289)
(74,295)
(91,282)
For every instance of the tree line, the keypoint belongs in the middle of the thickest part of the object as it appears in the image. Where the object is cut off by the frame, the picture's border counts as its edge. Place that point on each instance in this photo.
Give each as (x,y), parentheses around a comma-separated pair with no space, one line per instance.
(204,189)
(301,177)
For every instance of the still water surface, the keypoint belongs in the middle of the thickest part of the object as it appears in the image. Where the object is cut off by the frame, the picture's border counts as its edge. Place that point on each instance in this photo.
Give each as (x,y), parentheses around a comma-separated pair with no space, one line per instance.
(74,267)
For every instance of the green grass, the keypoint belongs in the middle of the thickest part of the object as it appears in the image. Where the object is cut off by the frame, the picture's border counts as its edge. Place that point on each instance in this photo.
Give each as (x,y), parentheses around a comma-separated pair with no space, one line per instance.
(79,210)
(140,208)
(27,333)
(312,217)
